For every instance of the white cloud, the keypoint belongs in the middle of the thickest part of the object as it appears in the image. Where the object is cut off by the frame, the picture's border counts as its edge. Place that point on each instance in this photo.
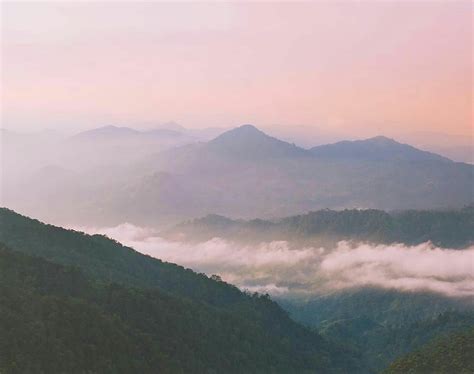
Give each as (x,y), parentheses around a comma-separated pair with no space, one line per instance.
(275,268)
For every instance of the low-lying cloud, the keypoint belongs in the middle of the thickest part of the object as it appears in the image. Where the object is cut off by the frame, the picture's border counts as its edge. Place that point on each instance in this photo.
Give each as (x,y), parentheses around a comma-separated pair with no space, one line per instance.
(276,268)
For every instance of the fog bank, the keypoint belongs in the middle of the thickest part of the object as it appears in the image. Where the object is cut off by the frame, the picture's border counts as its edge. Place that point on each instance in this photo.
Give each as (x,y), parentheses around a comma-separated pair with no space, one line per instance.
(275,268)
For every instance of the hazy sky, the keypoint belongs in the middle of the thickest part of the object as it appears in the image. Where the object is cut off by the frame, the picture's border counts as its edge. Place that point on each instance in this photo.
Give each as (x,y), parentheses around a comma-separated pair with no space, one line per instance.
(358,67)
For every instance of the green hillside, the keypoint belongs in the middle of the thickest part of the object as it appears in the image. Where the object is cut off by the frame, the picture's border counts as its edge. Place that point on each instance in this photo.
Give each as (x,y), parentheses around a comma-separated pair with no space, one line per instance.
(91,305)
(453,354)
(382,325)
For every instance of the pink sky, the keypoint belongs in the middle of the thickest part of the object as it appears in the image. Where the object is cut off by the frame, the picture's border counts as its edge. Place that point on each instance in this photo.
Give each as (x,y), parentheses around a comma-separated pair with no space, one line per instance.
(363,68)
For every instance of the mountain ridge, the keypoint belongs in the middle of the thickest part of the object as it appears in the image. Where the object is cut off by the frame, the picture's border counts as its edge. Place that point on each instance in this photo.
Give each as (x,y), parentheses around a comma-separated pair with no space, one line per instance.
(375,148)
(248,141)
(243,173)
(449,229)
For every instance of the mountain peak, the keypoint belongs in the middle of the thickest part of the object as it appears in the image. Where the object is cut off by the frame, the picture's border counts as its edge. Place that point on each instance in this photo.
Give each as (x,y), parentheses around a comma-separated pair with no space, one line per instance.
(248,128)
(247,141)
(380,139)
(243,131)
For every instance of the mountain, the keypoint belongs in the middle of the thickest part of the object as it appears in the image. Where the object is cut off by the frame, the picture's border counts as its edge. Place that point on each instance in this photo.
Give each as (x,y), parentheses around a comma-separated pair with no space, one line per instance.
(379,148)
(240,147)
(382,324)
(201,134)
(54,319)
(78,290)
(48,326)
(450,354)
(106,132)
(105,259)
(250,143)
(115,133)
(243,173)
(444,228)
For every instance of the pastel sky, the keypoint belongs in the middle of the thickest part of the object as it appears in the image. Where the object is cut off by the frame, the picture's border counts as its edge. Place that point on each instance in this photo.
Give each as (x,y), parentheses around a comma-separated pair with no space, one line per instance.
(359,67)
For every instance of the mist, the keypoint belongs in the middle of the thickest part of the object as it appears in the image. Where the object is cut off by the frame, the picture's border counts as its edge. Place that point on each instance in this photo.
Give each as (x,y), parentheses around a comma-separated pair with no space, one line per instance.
(275,268)
(166,175)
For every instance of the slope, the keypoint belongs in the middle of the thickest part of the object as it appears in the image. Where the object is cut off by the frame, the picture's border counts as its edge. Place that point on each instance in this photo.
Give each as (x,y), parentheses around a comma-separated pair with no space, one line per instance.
(447,355)
(201,317)
(382,324)
(378,148)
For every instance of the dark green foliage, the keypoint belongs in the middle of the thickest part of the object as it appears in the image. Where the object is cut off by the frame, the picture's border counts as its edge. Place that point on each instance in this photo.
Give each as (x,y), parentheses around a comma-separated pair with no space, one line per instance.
(384,307)
(448,228)
(379,344)
(153,317)
(54,320)
(48,326)
(452,354)
(89,304)
(444,228)
(109,261)
(382,325)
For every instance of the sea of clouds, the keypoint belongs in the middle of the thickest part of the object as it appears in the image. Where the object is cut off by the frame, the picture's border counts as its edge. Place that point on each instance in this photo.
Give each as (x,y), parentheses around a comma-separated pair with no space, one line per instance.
(276,268)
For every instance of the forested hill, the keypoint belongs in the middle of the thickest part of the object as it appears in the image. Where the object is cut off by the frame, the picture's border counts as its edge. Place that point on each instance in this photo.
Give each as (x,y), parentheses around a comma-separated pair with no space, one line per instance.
(383,324)
(107,260)
(116,310)
(445,228)
(448,355)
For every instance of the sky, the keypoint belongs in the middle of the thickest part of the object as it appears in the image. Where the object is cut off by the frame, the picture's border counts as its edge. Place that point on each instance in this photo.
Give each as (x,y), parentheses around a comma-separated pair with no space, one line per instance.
(357,68)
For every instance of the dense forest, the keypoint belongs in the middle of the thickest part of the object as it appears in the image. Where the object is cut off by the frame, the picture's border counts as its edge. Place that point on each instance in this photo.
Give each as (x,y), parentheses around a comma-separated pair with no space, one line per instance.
(78,303)
(447,355)
(444,228)
(72,302)
(382,325)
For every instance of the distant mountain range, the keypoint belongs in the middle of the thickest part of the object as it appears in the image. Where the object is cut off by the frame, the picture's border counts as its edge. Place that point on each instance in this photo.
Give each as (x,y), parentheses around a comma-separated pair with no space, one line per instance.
(114,132)
(245,173)
(107,132)
(248,142)
(161,177)
(379,148)
(167,130)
